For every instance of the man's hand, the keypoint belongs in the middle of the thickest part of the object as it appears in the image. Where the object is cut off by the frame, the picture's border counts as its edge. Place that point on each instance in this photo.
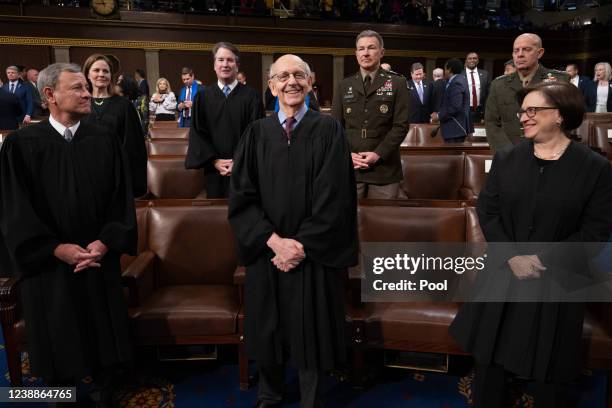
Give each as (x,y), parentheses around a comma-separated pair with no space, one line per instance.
(434,117)
(289,252)
(73,255)
(358,161)
(370,157)
(224,166)
(526,266)
(96,248)
(188,104)
(27,119)
(181,106)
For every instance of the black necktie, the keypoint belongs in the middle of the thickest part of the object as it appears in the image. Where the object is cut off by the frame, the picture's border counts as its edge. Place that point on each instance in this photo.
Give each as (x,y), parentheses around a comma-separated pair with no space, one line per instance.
(366,83)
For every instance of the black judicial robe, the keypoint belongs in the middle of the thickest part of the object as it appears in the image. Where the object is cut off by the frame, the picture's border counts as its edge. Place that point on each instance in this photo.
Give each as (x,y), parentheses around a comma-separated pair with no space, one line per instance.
(55,192)
(569,200)
(217,124)
(119,116)
(305,191)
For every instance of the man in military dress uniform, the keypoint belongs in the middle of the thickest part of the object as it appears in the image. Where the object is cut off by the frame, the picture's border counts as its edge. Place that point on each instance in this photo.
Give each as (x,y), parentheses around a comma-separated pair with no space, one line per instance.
(502,124)
(373,106)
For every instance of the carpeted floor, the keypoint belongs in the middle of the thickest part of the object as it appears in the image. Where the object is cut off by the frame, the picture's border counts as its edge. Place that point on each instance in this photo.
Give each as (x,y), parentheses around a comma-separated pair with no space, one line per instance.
(210,384)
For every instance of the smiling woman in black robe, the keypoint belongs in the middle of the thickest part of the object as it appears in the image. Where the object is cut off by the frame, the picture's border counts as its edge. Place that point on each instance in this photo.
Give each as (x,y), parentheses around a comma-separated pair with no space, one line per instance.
(119,116)
(546,189)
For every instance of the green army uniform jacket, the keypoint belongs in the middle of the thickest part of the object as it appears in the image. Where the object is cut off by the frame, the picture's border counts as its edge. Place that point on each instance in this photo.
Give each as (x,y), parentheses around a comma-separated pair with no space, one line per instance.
(502,125)
(375,122)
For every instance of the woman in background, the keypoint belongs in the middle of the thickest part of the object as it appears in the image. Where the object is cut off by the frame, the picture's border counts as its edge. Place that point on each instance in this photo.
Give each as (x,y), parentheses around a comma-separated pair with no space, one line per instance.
(603,75)
(119,116)
(163,101)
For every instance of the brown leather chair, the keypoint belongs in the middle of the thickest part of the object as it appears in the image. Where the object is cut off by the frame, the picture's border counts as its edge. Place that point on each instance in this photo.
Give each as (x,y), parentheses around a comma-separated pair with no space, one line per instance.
(169,133)
(164,124)
(600,141)
(585,130)
(474,176)
(432,176)
(168,178)
(182,287)
(163,147)
(419,134)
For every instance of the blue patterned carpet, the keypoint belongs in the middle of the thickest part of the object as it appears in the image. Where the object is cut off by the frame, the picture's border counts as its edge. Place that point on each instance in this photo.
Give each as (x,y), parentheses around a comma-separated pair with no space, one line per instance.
(215,384)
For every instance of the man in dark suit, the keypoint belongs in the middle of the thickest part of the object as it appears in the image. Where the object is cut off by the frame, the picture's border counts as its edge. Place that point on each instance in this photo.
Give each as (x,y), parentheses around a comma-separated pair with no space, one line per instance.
(454,114)
(10,110)
(31,80)
(420,95)
(143,85)
(187,96)
(16,86)
(478,81)
(586,86)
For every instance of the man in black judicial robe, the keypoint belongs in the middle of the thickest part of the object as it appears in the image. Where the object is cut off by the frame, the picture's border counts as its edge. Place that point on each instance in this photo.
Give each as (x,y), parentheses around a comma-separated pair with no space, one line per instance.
(66,215)
(221,113)
(293,209)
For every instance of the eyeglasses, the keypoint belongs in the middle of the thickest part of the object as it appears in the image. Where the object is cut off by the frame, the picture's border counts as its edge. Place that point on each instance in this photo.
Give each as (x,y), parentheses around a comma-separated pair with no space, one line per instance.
(532,110)
(284,76)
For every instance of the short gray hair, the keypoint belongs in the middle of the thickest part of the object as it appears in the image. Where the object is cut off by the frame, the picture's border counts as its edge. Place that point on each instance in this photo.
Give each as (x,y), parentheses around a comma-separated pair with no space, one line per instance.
(415,66)
(305,67)
(48,77)
(370,33)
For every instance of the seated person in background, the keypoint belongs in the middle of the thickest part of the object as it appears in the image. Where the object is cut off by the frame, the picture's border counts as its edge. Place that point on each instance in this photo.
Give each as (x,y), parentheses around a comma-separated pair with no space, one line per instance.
(163,101)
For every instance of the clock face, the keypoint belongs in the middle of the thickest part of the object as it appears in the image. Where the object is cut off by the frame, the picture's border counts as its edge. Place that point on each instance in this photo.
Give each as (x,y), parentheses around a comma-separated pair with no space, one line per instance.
(104,7)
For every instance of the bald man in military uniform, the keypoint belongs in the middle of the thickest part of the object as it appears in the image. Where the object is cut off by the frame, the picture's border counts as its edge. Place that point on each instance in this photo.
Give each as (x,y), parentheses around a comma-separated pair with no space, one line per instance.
(373,106)
(502,124)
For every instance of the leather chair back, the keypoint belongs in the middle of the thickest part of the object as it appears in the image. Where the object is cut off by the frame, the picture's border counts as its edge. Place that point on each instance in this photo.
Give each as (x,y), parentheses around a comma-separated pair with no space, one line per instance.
(168,178)
(474,176)
(174,147)
(195,245)
(432,176)
(169,133)
(411,224)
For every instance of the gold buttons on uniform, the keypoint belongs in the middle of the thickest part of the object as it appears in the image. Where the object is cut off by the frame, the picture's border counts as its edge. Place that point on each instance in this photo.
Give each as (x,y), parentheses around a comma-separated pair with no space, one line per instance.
(384,108)
(348,110)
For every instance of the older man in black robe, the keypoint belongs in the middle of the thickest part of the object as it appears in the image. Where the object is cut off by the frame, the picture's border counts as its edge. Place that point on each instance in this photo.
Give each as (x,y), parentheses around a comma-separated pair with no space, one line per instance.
(293,209)
(67,213)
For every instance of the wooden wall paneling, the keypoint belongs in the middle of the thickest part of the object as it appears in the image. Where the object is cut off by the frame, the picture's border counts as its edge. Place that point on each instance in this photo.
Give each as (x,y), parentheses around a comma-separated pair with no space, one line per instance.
(130,58)
(250,64)
(30,56)
(498,68)
(171,62)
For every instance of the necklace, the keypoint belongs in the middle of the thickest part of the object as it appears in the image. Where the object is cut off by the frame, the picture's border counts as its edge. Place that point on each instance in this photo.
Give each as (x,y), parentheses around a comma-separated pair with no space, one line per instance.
(553,156)
(99,103)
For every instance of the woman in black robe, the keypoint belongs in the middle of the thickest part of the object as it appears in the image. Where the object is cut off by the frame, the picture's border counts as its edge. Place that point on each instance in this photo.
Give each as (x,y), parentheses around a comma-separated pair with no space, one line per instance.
(118,115)
(546,189)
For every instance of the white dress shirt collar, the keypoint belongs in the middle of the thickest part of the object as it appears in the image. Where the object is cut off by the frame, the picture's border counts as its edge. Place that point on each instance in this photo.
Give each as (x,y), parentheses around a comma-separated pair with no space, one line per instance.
(231,86)
(61,128)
